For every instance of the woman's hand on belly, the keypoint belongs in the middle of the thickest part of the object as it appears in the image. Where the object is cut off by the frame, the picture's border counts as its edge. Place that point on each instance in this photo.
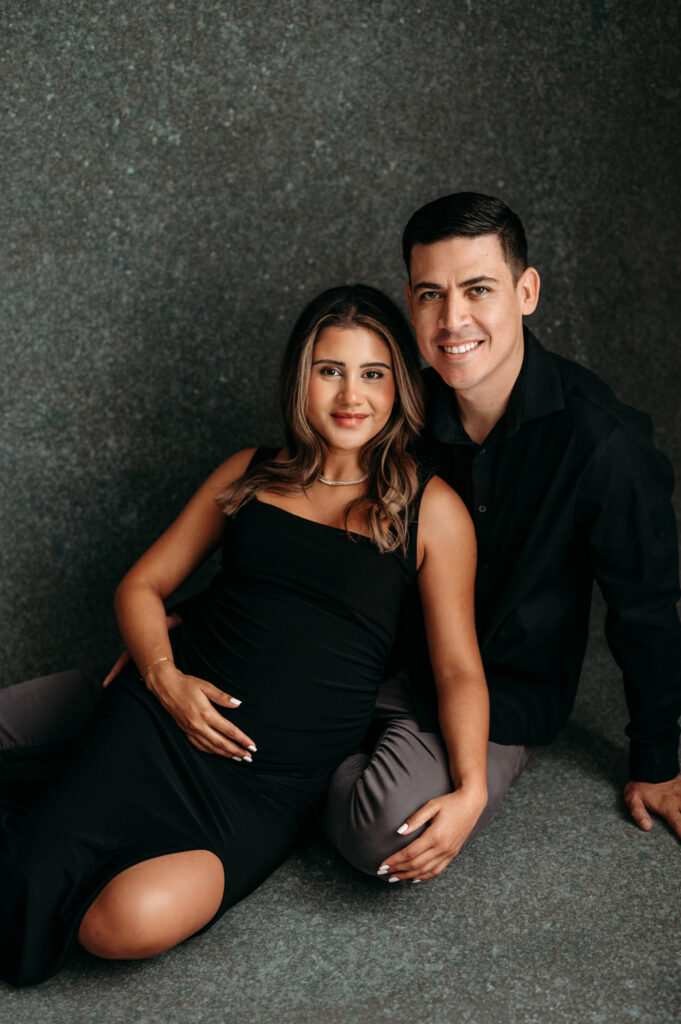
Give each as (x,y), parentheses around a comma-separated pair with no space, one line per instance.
(189,700)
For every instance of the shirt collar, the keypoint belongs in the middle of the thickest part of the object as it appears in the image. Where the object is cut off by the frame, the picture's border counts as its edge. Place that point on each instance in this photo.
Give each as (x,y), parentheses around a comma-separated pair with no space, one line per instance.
(537,392)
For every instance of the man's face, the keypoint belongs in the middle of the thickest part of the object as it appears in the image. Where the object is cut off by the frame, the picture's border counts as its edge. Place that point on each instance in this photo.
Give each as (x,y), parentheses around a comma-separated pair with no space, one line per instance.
(467,313)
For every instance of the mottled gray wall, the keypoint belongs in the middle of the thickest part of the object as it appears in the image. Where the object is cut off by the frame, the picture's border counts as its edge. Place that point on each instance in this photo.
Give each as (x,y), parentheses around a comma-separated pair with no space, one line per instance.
(178,178)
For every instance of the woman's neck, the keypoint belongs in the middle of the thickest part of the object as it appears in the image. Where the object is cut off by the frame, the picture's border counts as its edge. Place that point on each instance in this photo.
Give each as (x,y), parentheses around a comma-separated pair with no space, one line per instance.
(342,466)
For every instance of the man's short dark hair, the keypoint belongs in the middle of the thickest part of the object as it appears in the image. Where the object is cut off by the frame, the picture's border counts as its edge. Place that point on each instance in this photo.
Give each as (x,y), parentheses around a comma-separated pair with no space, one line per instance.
(468,214)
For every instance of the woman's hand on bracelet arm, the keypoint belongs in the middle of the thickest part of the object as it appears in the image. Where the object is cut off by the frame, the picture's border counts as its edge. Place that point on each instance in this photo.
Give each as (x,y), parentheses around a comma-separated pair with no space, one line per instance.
(190,702)
(172,621)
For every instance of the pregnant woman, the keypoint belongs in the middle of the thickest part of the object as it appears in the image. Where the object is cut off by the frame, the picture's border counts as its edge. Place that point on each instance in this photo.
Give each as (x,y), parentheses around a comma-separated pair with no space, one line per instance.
(155,828)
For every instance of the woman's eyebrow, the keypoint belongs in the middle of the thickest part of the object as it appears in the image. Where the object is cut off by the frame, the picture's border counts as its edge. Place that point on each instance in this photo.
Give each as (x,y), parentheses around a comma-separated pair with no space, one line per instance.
(362,366)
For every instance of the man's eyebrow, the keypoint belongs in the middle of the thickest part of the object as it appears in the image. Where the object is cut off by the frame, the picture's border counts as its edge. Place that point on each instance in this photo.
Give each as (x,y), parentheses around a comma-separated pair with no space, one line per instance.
(427,285)
(478,280)
(430,286)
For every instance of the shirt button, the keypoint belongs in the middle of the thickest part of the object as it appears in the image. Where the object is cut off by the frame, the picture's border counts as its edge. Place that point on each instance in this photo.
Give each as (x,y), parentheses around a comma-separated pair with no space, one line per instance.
(482,508)
(482,451)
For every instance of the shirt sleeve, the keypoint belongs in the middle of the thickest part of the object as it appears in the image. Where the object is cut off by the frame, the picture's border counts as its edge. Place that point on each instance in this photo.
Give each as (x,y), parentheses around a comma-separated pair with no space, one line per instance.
(624,504)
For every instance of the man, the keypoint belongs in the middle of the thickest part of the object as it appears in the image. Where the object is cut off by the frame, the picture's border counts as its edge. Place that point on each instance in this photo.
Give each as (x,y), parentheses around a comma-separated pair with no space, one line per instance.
(564,487)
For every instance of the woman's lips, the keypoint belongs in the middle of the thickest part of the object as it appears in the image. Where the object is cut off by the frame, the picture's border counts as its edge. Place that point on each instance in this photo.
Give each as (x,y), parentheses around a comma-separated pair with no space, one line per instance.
(348,419)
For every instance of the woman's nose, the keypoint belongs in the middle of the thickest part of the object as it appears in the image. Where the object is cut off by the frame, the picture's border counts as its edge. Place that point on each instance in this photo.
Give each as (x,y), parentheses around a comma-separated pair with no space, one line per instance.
(349,392)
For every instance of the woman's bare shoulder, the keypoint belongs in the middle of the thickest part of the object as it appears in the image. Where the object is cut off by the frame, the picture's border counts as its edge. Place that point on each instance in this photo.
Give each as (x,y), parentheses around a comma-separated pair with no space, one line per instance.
(443,514)
(225,474)
(232,468)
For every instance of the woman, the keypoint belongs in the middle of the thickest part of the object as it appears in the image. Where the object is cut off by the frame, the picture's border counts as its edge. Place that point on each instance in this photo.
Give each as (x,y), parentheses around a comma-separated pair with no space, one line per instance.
(148,836)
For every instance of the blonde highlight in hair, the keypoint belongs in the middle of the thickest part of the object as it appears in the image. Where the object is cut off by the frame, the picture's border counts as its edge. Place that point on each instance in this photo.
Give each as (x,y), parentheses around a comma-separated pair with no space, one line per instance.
(393,479)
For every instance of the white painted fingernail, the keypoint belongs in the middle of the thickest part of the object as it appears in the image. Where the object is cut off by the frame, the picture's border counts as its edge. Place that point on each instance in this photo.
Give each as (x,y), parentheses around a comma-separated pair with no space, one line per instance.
(234,701)
(247,757)
(415,880)
(252,746)
(393,878)
(402,829)
(383,870)
(235,758)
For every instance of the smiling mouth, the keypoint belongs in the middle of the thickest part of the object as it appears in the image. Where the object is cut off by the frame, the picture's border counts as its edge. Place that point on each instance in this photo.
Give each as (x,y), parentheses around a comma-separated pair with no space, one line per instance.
(349,419)
(458,350)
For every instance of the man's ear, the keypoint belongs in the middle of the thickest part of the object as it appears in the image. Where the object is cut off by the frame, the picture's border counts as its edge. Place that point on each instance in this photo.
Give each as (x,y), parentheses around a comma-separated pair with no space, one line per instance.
(528,290)
(410,300)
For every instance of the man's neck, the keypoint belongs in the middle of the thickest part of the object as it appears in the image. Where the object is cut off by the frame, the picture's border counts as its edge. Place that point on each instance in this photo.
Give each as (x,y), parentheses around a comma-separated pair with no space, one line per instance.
(481,408)
(479,420)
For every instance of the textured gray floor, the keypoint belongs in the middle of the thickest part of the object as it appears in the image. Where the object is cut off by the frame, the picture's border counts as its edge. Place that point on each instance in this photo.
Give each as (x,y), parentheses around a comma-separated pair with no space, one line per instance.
(562,911)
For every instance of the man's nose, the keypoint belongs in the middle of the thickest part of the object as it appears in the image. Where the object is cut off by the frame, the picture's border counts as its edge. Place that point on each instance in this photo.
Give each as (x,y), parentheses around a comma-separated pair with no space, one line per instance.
(454,312)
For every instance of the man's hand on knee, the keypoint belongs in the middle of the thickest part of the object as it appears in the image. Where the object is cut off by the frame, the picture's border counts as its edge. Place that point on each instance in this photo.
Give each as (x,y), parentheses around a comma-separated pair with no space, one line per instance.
(663,798)
(452,818)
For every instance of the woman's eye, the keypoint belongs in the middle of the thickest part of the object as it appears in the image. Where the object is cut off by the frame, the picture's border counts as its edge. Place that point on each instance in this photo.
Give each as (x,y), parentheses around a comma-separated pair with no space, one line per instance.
(373,374)
(328,371)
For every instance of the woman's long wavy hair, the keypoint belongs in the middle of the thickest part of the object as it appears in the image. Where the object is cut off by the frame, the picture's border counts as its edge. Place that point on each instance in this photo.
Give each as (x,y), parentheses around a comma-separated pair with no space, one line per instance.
(387,458)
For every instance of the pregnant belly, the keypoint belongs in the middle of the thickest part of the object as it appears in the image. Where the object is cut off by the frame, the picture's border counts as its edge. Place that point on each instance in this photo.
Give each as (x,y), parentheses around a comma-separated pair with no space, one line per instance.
(302,732)
(307,693)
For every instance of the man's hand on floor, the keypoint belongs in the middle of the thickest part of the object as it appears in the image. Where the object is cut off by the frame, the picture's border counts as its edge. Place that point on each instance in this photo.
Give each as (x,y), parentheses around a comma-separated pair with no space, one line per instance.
(663,798)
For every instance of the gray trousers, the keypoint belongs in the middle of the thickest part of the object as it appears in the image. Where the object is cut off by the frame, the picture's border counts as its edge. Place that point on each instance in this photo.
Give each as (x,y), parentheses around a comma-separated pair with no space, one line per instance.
(370,796)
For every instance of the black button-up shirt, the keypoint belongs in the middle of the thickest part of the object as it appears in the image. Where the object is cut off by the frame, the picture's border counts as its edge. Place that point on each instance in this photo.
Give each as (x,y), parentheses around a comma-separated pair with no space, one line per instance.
(568,488)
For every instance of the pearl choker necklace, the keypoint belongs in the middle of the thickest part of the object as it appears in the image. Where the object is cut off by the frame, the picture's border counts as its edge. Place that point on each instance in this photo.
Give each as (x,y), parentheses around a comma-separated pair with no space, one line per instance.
(343,483)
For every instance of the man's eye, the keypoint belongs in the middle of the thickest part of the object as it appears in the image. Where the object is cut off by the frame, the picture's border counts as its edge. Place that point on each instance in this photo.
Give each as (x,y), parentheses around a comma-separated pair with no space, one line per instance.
(479,289)
(429,296)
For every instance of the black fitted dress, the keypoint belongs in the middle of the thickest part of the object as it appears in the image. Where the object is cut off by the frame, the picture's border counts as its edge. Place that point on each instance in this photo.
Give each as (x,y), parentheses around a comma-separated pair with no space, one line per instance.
(298,624)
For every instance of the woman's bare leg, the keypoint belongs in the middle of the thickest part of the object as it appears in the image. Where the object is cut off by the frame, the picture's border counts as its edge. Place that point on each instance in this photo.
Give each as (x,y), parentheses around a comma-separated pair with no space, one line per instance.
(154,905)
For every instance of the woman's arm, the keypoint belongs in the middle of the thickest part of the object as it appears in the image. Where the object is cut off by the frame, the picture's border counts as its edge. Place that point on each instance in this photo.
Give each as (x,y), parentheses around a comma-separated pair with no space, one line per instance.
(446,585)
(142,619)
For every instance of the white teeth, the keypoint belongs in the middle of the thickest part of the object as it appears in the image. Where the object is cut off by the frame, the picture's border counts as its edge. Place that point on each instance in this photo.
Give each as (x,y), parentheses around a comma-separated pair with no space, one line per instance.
(457,350)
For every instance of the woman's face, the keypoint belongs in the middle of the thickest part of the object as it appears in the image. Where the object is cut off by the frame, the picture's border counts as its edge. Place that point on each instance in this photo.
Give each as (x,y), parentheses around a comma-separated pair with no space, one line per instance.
(352,388)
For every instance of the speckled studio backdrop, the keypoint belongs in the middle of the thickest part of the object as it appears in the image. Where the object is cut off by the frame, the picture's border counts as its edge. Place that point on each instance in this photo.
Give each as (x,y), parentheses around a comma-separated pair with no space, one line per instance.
(178,178)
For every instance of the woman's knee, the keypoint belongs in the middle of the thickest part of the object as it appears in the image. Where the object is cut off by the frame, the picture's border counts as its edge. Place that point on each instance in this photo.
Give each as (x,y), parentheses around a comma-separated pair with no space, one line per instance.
(154,905)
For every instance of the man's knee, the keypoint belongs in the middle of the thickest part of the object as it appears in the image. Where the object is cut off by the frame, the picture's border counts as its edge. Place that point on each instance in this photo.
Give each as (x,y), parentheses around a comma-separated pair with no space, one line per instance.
(371,797)
(361,825)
